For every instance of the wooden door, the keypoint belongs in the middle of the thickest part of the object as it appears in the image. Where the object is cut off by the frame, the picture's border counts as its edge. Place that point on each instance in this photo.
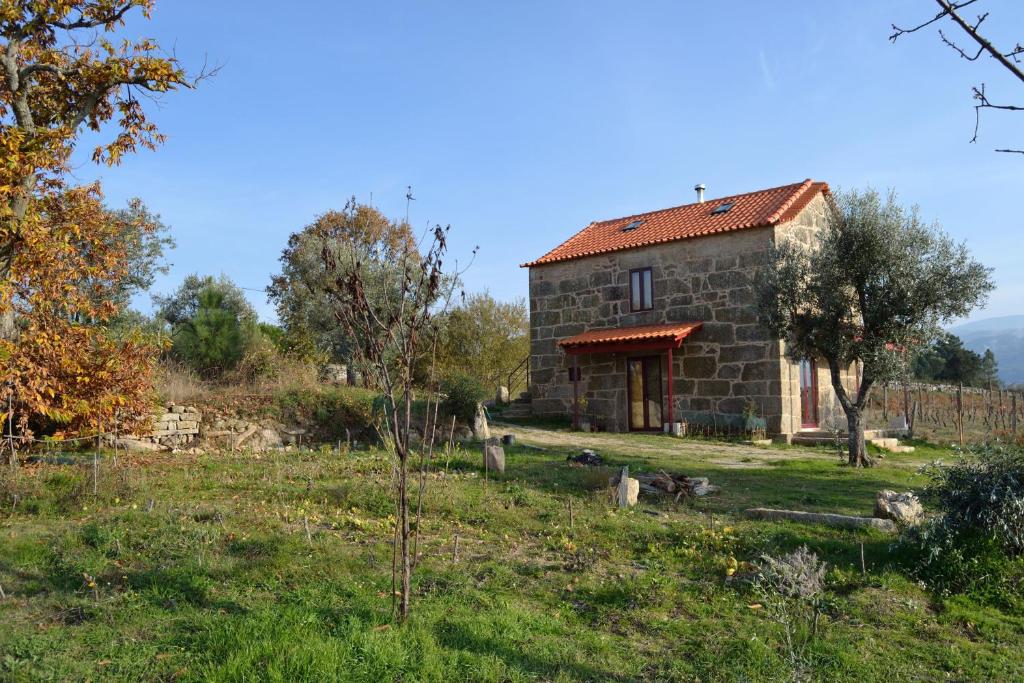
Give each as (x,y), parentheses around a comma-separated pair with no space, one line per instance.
(643,388)
(808,393)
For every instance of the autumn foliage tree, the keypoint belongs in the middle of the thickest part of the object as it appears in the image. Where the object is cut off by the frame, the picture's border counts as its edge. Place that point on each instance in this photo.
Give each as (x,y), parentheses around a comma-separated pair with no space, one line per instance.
(66,372)
(61,72)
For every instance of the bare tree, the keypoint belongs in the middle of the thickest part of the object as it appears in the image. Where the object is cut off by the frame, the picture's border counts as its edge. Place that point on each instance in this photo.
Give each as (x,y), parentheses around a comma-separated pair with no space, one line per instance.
(1008,59)
(395,330)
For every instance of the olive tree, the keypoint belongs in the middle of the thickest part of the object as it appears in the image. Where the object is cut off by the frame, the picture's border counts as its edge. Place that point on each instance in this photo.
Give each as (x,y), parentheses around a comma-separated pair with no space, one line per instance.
(300,292)
(872,286)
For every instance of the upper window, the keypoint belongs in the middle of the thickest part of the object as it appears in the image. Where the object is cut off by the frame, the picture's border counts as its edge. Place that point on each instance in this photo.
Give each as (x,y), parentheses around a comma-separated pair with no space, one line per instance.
(641,289)
(722,208)
(632,226)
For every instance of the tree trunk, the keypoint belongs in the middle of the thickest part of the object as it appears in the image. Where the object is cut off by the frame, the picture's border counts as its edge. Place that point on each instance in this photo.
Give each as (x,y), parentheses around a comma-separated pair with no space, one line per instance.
(403,503)
(8,325)
(858,448)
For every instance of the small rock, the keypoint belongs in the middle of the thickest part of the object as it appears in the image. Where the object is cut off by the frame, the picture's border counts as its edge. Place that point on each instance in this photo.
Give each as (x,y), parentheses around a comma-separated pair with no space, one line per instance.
(700,486)
(494,457)
(501,397)
(903,508)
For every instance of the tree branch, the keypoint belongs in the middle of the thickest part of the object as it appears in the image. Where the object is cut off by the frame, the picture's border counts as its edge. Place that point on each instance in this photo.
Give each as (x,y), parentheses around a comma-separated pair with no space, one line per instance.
(897,31)
(82,22)
(951,10)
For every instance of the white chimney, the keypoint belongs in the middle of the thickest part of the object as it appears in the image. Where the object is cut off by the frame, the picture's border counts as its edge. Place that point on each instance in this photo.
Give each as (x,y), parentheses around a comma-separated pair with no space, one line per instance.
(700,192)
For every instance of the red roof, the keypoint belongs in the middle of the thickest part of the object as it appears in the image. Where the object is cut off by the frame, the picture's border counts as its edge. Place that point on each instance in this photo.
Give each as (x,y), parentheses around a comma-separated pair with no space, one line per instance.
(671,332)
(751,210)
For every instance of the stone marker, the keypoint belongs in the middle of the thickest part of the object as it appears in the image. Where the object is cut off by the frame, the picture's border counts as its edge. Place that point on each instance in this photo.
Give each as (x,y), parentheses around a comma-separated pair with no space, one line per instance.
(501,396)
(480,428)
(494,456)
(903,508)
(628,489)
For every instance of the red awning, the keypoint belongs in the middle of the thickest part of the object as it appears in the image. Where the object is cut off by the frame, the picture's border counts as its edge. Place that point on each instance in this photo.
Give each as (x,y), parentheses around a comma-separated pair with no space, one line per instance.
(643,337)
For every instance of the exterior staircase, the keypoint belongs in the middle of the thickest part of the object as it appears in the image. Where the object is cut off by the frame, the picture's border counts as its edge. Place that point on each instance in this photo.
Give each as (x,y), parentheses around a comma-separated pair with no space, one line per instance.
(891,445)
(519,408)
(877,437)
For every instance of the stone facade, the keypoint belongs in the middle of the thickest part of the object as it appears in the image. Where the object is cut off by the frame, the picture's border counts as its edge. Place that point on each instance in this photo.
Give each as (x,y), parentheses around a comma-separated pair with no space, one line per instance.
(729,368)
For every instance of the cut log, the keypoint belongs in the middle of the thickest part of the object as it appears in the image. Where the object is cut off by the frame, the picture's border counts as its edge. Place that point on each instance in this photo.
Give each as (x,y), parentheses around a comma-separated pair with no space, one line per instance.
(828,519)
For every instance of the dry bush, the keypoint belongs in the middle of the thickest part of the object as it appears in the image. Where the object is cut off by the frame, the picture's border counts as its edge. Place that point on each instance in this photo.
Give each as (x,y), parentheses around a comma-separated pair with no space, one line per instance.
(177,383)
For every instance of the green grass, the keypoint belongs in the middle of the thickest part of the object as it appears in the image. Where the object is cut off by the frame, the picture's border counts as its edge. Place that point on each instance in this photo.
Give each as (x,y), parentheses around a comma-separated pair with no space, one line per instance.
(203,571)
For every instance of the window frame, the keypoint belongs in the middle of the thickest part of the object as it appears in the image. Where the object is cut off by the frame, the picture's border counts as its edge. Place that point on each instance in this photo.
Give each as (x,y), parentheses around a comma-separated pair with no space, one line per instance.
(649,271)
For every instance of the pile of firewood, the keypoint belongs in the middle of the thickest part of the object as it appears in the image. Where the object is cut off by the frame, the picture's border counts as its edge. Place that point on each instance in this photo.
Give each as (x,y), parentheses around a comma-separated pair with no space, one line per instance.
(678,485)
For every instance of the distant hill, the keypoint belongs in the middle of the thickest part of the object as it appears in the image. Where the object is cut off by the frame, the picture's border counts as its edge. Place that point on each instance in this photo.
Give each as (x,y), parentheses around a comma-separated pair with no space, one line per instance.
(1005,336)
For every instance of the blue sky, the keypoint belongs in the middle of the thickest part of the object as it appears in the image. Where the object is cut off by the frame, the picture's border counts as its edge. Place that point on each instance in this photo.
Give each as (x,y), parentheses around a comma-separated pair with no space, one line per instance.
(519,123)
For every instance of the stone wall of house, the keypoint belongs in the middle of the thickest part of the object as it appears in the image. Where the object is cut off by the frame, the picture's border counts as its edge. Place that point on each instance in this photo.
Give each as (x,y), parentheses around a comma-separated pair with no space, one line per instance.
(830,413)
(730,366)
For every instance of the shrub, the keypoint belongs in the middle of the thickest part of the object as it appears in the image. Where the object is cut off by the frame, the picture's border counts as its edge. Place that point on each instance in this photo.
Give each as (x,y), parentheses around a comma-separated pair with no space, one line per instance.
(976,544)
(982,493)
(328,412)
(261,360)
(792,587)
(462,394)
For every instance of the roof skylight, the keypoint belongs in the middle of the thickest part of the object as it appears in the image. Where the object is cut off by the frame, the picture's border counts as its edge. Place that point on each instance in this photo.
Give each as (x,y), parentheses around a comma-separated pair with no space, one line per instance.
(632,226)
(722,208)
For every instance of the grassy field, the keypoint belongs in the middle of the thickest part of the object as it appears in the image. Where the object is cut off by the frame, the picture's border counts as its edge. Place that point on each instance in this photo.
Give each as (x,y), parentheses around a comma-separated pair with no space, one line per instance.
(192,568)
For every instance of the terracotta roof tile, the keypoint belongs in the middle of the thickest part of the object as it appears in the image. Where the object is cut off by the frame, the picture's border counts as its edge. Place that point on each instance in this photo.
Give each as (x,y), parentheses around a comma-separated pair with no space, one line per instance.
(667,332)
(750,210)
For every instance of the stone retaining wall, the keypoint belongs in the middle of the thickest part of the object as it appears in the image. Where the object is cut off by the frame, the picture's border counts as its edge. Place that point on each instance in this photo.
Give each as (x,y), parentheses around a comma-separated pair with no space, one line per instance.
(176,427)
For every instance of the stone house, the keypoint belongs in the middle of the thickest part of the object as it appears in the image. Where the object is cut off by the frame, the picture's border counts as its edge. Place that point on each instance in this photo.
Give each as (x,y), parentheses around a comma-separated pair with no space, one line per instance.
(640,321)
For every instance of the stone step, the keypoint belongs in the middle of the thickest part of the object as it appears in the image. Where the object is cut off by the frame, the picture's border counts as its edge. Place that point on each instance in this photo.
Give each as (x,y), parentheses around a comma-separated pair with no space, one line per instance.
(524,397)
(820,437)
(892,445)
(517,410)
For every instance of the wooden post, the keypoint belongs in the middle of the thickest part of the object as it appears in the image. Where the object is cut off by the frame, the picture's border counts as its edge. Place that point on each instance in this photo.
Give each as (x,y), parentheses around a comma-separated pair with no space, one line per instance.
(671,419)
(96,465)
(906,411)
(575,391)
(1013,416)
(960,412)
(885,404)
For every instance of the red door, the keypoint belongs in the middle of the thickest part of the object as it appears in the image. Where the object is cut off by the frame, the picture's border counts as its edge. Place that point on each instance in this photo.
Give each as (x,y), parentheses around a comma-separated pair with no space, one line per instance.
(643,387)
(808,393)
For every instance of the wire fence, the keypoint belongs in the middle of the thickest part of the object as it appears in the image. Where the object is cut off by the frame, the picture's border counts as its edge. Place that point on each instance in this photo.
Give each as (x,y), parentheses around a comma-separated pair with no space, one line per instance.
(12,444)
(949,412)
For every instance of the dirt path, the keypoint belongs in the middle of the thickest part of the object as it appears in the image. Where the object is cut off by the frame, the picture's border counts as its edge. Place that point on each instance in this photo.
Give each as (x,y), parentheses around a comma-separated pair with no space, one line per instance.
(717,453)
